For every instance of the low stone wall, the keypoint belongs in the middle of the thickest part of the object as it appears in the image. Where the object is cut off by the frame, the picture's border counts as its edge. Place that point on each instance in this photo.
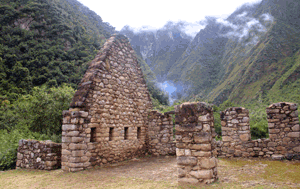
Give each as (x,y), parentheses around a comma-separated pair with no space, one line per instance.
(39,154)
(195,163)
(160,134)
(284,141)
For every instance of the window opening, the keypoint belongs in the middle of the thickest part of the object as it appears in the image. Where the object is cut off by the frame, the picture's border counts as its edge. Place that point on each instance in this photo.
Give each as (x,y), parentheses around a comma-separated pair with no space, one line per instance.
(93,134)
(125,133)
(138,132)
(111,130)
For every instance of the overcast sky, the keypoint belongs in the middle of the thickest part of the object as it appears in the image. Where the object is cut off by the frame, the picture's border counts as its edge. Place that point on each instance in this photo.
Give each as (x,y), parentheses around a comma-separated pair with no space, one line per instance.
(155,14)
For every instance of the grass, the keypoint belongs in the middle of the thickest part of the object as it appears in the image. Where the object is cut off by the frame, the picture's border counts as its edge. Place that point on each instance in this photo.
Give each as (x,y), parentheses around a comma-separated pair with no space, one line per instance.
(233,173)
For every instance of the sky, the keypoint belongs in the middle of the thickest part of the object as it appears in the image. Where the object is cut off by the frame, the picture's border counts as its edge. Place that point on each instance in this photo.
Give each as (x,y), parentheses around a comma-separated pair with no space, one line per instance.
(154,14)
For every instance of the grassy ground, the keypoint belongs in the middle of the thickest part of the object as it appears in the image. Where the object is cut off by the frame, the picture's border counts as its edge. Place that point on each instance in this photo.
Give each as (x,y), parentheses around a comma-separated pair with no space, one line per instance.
(157,173)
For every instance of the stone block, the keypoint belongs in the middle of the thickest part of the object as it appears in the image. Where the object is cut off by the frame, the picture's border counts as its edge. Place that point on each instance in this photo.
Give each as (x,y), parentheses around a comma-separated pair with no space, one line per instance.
(19,156)
(277,157)
(272,144)
(75,165)
(181,172)
(66,139)
(183,160)
(77,139)
(179,152)
(201,154)
(203,118)
(295,128)
(204,147)
(297,149)
(202,138)
(226,139)
(243,137)
(294,134)
(202,174)
(68,127)
(78,153)
(65,152)
(73,146)
(208,163)
(73,133)
(50,163)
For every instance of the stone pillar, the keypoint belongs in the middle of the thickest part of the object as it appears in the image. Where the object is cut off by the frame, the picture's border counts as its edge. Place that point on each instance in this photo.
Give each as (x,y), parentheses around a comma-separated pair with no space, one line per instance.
(235,131)
(75,137)
(283,125)
(193,135)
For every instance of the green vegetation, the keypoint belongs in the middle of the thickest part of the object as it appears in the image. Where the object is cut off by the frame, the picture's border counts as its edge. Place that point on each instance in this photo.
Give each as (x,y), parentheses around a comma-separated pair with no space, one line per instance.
(37,115)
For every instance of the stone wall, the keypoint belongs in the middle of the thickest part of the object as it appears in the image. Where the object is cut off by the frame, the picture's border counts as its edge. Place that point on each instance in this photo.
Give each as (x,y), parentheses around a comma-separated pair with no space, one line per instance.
(108,117)
(38,154)
(160,134)
(193,124)
(283,141)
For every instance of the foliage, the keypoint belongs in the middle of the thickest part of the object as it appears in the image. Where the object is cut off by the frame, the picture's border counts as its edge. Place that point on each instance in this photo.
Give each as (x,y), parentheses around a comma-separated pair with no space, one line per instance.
(37,115)
(40,111)
(46,42)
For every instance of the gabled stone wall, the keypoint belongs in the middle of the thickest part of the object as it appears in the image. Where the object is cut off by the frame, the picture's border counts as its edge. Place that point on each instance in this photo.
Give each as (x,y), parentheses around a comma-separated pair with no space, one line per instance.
(283,141)
(108,117)
(160,134)
(35,154)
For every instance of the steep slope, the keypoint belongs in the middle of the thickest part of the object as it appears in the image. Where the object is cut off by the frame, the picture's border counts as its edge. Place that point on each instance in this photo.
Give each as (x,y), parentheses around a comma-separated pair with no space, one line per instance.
(266,63)
(244,56)
(43,41)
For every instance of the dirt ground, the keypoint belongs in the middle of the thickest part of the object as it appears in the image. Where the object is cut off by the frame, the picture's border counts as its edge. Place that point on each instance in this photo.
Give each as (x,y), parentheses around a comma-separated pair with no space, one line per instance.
(159,172)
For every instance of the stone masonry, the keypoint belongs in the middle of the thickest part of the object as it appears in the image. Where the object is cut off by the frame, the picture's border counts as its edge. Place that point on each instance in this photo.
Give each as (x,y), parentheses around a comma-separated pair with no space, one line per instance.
(283,141)
(193,124)
(39,154)
(108,117)
(160,134)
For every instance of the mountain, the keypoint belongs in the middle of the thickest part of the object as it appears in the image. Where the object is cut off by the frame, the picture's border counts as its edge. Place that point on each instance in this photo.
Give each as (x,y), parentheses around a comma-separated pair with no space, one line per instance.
(252,55)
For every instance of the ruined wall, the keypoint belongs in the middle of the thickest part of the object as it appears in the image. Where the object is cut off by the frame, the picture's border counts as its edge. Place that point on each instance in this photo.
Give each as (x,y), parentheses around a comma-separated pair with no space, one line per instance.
(193,124)
(160,134)
(283,141)
(38,154)
(108,117)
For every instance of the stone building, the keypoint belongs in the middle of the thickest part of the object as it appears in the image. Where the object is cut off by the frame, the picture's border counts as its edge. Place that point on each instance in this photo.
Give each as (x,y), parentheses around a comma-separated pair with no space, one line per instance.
(108,116)
(111,119)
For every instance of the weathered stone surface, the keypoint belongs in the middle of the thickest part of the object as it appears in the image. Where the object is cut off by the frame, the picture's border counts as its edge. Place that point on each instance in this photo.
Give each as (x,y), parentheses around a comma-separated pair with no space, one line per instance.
(226,138)
(39,154)
(244,137)
(202,174)
(201,154)
(183,160)
(294,134)
(208,163)
(204,147)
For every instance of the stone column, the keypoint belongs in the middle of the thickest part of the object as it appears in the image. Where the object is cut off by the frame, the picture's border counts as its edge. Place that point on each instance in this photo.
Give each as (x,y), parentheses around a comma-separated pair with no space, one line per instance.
(235,131)
(193,135)
(284,132)
(75,137)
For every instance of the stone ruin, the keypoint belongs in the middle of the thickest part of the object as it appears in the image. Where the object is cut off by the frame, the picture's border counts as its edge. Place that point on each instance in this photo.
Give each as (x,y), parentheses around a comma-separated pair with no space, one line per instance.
(194,125)
(44,155)
(110,120)
(284,135)
(108,116)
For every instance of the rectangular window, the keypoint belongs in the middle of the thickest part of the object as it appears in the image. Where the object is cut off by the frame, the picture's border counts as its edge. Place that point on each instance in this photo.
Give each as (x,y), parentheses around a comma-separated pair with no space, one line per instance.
(125,133)
(138,132)
(93,134)
(111,130)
